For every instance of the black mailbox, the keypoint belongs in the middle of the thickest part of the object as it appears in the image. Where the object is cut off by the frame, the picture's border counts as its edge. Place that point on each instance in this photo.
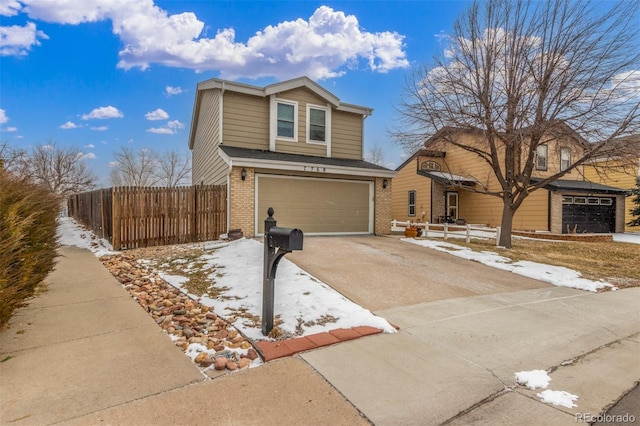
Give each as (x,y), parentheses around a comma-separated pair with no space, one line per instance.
(288,239)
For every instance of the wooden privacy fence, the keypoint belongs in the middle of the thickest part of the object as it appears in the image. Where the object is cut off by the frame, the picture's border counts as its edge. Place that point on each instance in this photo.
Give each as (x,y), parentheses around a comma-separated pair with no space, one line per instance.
(132,217)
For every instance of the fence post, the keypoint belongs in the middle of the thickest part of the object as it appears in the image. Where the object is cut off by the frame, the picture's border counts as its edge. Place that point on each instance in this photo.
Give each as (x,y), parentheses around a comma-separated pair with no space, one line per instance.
(498,230)
(426,229)
(446,227)
(394,223)
(468,233)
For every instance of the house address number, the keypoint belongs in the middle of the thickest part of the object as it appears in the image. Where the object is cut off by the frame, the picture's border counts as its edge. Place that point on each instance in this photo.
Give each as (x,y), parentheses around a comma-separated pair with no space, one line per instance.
(314,169)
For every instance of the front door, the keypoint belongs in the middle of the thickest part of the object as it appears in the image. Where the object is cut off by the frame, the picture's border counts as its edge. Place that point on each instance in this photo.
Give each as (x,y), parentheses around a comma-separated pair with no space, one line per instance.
(452,206)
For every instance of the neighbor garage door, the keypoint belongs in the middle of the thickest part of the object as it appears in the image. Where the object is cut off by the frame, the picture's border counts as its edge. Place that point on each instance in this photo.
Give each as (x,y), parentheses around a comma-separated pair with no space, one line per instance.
(588,214)
(316,206)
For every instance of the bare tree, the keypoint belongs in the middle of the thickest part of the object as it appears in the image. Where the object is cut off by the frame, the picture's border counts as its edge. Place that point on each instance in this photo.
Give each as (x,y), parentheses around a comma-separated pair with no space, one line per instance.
(134,168)
(513,71)
(173,169)
(375,155)
(61,170)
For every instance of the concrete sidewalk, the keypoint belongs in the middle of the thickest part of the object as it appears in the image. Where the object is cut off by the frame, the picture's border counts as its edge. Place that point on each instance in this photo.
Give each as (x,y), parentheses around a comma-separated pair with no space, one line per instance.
(85,353)
(455,360)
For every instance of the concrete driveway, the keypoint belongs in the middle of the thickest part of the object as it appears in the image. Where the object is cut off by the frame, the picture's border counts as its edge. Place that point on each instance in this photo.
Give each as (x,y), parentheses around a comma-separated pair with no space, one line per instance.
(380,272)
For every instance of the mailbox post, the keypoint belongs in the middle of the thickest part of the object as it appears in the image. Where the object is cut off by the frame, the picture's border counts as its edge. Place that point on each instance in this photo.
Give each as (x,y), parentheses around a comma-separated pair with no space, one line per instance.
(284,240)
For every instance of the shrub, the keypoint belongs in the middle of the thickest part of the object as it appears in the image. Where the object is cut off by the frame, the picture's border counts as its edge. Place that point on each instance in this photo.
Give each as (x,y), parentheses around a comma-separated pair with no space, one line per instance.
(27,240)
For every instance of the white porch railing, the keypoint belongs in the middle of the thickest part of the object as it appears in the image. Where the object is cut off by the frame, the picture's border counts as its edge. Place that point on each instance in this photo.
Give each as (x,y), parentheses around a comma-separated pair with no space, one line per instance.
(448,230)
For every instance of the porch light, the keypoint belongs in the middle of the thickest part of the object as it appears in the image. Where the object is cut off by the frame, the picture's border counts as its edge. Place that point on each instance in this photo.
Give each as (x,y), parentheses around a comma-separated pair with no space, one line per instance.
(385,183)
(243,174)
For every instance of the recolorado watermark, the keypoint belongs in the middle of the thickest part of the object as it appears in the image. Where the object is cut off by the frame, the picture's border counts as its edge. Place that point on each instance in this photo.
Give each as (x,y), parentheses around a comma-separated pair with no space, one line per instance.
(605,418)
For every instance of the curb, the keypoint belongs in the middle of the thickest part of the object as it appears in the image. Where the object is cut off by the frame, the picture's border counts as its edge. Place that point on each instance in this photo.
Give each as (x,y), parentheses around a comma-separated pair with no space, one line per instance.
(283,348)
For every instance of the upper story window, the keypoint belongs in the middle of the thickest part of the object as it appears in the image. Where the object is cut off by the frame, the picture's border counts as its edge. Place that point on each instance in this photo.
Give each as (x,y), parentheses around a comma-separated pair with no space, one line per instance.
(316,124)
(287,120)
(565,158)
(541,157)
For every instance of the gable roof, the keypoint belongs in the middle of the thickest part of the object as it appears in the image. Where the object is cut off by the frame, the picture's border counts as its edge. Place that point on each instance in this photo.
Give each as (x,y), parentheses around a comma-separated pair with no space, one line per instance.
(556,128)
(272,89)
(624,147)
(243,157)
(422,153)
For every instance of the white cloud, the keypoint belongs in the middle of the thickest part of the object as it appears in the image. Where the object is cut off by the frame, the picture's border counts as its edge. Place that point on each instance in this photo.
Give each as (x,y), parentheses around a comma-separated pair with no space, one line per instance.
(103,113)
(320,47)
(17,41)
(628,82)
(10,7)
(158,114)
(69,125)
(90,146)
(87,156)
(171,91)
(175,124)
(100,128)
(11,129)
(171,128)
(161,131)
(3,116)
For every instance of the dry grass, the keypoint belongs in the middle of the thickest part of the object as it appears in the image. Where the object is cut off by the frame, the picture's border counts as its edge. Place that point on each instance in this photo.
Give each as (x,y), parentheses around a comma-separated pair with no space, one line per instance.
(617,263)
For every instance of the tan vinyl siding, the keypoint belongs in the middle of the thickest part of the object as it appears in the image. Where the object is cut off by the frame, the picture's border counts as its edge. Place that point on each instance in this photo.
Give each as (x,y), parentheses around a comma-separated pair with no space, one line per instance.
(483,209)
(408,180)
(619,175)
(246,121)
(204,155)
(553,159)
(346,138)
(316,150)
(346,129)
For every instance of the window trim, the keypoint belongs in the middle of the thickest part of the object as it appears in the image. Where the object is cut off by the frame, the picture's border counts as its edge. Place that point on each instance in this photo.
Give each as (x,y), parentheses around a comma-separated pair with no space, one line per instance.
(546,157)
(327,126)
(295,120)
(409,205)
(564,150)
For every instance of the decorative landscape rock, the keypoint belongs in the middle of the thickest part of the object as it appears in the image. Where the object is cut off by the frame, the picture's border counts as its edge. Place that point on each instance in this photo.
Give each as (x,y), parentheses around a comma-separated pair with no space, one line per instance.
(187,321)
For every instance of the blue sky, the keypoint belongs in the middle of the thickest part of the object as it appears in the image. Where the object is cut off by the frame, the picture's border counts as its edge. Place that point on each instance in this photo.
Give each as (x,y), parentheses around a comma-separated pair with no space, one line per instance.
(100,74)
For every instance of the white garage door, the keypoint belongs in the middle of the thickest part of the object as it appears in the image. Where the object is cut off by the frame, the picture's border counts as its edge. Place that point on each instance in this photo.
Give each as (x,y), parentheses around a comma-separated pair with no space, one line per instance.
(316,206)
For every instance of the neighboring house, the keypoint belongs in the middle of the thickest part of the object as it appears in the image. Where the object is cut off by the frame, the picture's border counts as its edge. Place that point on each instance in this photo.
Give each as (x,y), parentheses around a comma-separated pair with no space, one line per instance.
(619,171)
(437,184)
(292,146)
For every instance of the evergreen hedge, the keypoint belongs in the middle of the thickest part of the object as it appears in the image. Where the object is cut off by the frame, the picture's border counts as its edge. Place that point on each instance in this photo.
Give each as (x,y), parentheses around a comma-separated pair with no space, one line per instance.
(27,240)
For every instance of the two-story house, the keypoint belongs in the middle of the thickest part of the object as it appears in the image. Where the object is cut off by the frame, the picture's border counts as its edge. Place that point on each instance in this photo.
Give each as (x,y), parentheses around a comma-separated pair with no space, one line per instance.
(293,146)
(444,182)
(621,170)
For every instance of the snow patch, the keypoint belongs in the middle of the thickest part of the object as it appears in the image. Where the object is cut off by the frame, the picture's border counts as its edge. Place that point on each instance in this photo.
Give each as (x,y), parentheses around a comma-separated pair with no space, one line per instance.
(556,275)
(533,379)
(562,398)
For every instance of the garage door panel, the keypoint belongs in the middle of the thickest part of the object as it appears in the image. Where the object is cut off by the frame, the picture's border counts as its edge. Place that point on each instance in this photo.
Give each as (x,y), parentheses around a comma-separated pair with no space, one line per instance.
(588,218)
(315,205)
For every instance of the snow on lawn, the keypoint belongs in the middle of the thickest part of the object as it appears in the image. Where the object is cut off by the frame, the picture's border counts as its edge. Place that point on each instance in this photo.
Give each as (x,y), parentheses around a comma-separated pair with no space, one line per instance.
(69,233)
(304,304)
(556,275)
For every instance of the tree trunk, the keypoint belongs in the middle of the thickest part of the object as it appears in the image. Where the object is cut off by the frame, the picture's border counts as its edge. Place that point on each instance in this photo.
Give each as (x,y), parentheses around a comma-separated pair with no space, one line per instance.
(506,224)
